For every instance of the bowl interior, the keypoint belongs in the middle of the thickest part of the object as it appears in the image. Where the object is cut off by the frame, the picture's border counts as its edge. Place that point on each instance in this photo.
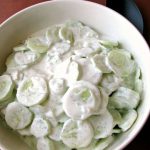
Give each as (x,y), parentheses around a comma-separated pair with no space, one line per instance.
(104,20)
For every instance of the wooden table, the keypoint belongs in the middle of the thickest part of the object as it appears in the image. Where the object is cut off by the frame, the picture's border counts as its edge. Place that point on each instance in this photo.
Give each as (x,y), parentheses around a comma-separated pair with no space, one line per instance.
(9,7)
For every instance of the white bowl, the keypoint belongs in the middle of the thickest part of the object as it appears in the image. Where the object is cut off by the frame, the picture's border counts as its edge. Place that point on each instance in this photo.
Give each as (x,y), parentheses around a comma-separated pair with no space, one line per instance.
(106,21)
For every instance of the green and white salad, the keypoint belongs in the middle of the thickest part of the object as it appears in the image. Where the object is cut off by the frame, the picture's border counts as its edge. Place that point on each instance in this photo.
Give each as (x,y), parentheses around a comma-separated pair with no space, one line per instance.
(67,88)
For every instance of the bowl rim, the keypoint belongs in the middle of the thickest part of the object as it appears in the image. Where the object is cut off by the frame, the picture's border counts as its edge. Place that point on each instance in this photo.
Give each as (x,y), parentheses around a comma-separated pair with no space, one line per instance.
(5,22)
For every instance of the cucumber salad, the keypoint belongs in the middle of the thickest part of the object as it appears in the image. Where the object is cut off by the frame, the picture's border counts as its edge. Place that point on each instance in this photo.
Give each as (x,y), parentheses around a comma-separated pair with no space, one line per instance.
(66,88)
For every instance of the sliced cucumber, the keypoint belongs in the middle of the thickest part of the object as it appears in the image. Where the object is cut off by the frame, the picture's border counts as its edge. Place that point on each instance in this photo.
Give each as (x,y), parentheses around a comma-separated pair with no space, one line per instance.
(116,116)
(104,102)
(103,125)
(121,63)
(138,86)
(74,134)
(25,58)
(6,87)
(99,61)
(32,91)
(21,47)
(17,116)
(52,34)
(104,143)
(110,83)
(66,34)
(37,45)
(45,144)
(40,127)
(128,119)
(124,98)
(12,65)
(4,103)
(85,97)
(109,44)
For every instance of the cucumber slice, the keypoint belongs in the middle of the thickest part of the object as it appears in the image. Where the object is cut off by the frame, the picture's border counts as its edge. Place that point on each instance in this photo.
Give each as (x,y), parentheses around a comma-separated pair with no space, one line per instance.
(128,119)
(104,102)
(52,34)
(17,116)
(109,44)
(99,61)
(40,127)
(75,27)
(110,83)
(121,63)
(66,34)
(26,58)
(4,103)
(91,146)
(104,143)
(103,125)
(85,97)
(12,65)
(138,86)
(55,134)
(124,98)
(37,45)
(32,91)
(57,85)
(6,87)
(45,144)
(21,47)
(74,134)
(116,116)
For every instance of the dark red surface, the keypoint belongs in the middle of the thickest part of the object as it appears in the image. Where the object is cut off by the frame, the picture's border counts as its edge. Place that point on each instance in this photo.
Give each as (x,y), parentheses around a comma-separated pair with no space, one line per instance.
(9,7)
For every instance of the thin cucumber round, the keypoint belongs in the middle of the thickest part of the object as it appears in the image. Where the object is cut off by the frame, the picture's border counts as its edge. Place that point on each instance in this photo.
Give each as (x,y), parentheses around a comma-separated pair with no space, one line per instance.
(40,127)
(103,125)
(17,116)
(6,87)
(74,133)
(85,97)
(37,45)
(32,91)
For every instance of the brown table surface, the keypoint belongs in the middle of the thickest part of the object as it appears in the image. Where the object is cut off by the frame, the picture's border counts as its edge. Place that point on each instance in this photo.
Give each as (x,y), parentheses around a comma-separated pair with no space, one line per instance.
(9,7)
